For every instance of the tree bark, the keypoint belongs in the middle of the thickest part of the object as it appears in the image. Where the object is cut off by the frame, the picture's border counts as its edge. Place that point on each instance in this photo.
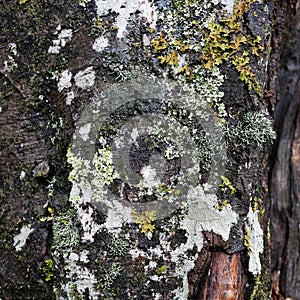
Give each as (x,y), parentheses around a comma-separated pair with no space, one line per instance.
(285,173)
(81,81)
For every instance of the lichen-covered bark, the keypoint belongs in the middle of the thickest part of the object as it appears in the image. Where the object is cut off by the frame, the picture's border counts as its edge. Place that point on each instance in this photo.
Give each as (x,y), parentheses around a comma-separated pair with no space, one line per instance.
(183,87)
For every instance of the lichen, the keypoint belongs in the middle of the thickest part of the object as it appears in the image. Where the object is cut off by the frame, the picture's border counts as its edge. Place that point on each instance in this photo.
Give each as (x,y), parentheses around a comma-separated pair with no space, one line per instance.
(75,295)
(117,246)
(121,214)
(85,79)
(65,231)
(220,206)
(261,290)
(161,270)
(255,130)
(175,49)
(254,241)
(225,41)
(124,11)
(226,185)
(104,166)
(115,207)
(63,37)
(48,269)
(64,80)
(109,277)
(145,219)
(21,238)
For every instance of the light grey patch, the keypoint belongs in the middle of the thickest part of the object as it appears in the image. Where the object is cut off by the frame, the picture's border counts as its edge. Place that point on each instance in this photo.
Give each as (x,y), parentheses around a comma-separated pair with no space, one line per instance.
(21,238)
(42,169)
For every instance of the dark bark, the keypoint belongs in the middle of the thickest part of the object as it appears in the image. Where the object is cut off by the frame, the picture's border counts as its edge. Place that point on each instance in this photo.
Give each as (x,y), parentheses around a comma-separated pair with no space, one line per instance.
(285,209)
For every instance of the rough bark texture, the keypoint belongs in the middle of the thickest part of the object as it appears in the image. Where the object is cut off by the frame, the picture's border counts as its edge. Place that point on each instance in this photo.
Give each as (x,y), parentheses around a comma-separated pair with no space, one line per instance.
(285,210)
(59,57)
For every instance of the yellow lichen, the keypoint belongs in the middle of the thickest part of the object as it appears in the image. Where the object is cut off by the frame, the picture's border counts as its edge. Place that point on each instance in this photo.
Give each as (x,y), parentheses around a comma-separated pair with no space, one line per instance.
(225,41)
(51,217)
(162,269)
(171,58)
(159,43)
(247,240)
(145,219)
(166,190)
(224,203)
(227,185)
(48,269)
(255,203)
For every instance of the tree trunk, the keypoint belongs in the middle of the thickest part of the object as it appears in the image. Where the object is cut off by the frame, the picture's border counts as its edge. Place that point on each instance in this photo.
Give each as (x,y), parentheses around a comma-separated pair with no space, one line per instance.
(285,225)
(136,149)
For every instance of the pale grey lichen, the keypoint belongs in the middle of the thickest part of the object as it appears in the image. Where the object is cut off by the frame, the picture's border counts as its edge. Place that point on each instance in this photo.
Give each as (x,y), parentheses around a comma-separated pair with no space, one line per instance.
(124,9)
(228,5)
(85,79)
(100,43)
(104,166)
(78,277)
(21,238)
(117,246)
(256,241)
(110,276)
(255,130)
(64,81)
(65,231)
(201,216)
(63,37)
(10,64)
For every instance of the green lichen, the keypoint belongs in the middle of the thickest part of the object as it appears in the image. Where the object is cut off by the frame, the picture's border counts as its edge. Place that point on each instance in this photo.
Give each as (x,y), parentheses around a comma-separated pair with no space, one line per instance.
(179,51)
(80,166)
(75,295)
(254,129)
(213,42)
(96,172)
(65,231)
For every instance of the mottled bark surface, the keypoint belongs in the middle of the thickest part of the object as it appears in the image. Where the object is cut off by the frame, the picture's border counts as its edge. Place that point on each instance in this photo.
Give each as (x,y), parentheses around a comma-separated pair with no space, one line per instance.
(58,57)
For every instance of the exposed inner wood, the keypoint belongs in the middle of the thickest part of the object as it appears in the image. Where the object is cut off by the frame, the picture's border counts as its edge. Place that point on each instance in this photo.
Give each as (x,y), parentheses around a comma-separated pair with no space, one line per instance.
(225,279)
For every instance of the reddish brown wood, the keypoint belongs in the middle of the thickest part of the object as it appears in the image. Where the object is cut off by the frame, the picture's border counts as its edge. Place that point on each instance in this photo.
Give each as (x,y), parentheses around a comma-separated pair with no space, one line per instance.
(226,279)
